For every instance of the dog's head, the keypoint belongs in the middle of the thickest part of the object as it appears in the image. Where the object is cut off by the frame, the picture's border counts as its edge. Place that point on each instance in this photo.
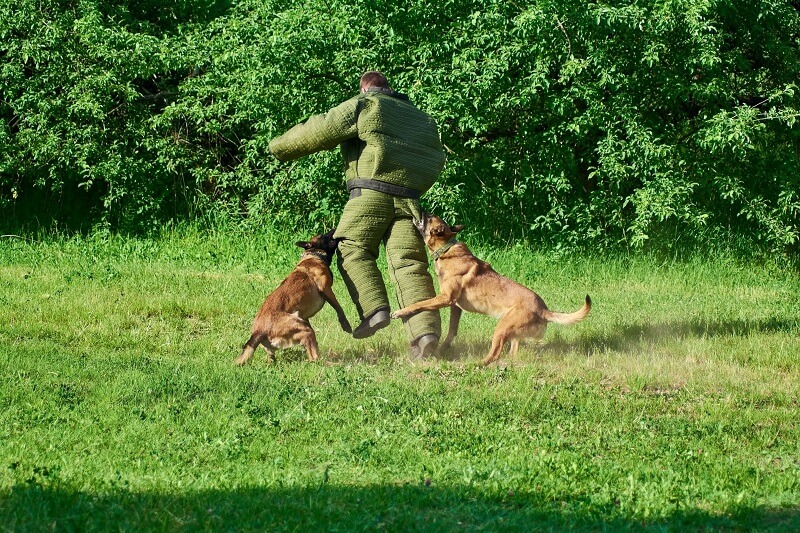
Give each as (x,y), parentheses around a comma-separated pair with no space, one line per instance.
(324,245)
(436,231)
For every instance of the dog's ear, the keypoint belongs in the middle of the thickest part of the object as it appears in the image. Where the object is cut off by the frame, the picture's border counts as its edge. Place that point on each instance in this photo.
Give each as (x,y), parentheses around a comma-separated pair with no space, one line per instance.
(303,244)
(457,228)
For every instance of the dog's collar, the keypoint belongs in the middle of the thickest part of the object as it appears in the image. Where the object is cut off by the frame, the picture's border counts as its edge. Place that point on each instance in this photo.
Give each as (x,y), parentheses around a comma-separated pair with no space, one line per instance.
(446,246)
(317,253)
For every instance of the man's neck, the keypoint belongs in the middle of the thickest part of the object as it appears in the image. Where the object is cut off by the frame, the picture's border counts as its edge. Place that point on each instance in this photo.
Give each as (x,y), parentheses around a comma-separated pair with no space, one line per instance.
(384,90)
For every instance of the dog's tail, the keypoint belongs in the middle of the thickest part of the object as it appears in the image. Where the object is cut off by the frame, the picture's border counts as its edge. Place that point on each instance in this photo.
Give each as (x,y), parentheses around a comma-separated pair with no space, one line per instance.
(570,318)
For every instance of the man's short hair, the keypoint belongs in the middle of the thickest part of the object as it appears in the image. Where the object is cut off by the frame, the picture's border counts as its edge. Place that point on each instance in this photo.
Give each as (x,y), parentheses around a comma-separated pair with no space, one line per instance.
(374,79)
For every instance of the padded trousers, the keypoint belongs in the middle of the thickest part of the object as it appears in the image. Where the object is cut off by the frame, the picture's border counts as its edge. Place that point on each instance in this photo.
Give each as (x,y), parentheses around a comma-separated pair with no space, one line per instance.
(368,220)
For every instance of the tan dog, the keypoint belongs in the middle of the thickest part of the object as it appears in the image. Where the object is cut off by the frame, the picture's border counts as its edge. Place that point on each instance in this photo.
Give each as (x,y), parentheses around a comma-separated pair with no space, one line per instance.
(470,284)
(282,320)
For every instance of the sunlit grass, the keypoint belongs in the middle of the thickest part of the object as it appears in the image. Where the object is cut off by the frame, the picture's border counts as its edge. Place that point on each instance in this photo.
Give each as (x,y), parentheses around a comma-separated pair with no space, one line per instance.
(674,404)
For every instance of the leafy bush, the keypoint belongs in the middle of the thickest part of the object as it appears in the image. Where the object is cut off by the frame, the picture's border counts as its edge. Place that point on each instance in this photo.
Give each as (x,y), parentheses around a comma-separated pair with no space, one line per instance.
(574,125)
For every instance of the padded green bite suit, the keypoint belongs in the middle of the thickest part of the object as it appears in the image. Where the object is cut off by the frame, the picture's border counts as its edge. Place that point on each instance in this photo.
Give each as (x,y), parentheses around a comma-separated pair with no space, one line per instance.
(392,155)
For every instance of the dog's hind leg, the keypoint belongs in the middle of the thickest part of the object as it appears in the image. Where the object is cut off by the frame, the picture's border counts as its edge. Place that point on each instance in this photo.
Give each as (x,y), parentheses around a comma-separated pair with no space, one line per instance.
(498,341)
(508,329)
(250,347)
(270,352)
(303,333)
(309,340)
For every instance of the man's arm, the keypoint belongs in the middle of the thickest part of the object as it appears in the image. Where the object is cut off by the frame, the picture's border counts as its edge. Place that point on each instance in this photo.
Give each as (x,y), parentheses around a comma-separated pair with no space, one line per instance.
(318,133)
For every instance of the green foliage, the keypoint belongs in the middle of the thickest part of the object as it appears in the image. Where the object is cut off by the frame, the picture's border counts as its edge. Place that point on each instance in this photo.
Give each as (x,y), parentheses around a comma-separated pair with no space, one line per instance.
(600,124)
(78,89)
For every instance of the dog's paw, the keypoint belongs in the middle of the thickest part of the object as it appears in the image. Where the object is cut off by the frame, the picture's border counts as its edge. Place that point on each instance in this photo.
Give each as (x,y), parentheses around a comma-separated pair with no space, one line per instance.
(346,326)
(397,314)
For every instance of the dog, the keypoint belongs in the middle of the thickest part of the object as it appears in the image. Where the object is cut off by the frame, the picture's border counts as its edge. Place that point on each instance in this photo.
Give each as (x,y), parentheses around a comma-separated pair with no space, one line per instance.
(282,320)
(469,284)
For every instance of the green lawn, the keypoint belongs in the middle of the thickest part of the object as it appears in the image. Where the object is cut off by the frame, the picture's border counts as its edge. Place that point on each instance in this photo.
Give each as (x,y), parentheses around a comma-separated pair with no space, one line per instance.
(673,406)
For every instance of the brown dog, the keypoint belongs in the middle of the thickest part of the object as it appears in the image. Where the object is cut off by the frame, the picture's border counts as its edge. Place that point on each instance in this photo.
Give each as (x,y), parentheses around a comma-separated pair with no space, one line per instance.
(282,320)
(470,284)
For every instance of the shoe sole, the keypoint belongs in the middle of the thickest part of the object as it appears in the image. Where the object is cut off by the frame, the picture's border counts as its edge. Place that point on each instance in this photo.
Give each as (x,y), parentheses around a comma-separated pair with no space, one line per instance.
(369,331)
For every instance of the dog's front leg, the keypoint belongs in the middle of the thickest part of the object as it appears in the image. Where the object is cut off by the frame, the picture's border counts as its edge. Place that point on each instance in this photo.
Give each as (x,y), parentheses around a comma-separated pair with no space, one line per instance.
(432,304)
(452,330)
(329,297)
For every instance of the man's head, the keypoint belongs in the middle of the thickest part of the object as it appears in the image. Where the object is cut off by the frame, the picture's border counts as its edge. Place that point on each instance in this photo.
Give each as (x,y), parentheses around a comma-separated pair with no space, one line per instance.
(376,81)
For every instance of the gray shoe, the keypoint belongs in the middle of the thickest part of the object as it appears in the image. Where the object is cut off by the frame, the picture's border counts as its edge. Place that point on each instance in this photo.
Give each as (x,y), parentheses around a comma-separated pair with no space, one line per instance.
(424,346)
(378,320)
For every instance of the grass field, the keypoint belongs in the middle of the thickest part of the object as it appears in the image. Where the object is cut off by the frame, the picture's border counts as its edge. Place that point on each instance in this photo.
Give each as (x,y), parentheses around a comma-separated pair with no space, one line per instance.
(674,406)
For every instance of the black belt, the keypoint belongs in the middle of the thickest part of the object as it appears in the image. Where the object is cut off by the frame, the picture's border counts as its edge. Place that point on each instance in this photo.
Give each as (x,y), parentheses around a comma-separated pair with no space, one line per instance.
(354,187)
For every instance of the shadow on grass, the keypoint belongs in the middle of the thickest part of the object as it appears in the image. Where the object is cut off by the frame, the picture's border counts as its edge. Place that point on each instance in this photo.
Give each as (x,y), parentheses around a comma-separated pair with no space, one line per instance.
(637,335)
(415,507)
(466,348)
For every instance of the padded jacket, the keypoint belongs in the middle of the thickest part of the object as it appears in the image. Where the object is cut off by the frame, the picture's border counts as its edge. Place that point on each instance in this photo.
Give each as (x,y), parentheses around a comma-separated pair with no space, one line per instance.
(382,137)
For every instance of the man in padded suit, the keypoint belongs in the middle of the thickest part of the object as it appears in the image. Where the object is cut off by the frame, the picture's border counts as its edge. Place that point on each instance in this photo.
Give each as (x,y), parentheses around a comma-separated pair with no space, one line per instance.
(392,154)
